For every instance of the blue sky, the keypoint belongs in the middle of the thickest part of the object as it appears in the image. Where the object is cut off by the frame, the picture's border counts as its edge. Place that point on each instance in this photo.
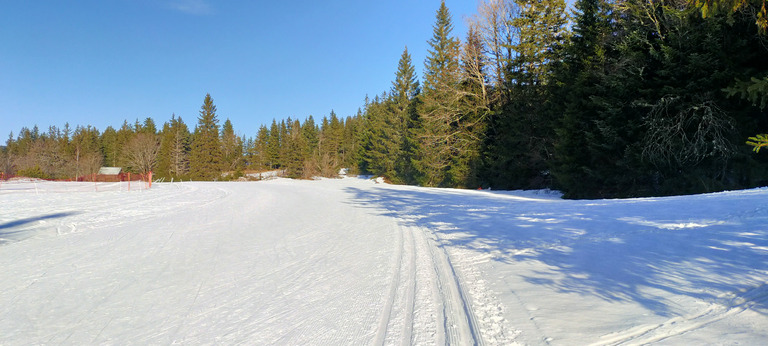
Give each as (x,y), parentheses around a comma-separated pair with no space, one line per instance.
(99,62)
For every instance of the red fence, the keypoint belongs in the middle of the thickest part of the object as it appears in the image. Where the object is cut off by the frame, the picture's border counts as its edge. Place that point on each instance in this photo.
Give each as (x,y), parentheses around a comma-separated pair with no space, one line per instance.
(93,177)
(97,179)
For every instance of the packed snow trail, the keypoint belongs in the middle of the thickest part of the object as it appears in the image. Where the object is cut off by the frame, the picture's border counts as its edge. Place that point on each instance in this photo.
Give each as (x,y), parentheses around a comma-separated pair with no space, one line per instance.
(348,261)
(278,262)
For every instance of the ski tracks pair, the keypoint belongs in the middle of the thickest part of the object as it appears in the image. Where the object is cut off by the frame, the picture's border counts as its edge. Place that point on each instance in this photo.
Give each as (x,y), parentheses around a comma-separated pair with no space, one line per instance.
(427,301)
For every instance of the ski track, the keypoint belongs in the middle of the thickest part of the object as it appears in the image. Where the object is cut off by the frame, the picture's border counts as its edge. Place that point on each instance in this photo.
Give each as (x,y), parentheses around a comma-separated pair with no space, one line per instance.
(155,267)
(730,304)
(427,294)
(425,304)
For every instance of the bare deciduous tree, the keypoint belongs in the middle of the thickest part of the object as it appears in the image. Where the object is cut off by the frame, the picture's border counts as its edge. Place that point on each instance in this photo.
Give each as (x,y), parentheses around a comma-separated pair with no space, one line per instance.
(141,152)
(493,23)
(681,134)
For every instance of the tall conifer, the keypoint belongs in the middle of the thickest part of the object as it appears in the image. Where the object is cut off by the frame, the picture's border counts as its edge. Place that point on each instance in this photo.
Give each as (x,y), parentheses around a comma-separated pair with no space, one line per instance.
(206,159)
(437,142)
(231,147)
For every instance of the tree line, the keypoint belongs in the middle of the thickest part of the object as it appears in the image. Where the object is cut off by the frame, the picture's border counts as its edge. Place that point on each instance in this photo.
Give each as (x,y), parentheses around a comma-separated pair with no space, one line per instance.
(207,152)
(616,99)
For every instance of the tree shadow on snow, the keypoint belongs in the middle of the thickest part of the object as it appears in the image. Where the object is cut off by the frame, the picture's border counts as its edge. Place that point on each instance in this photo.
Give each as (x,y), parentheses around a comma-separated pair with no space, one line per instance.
(14,231)
(620,250)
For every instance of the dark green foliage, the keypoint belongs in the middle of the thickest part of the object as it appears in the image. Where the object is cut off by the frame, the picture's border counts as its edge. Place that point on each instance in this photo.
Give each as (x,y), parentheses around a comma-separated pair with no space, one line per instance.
(439,110)
(576,84)
(231,148)
(388,133)
(109,146)
(655,120)
(519,143)
(173,160)
(755,90)
(205,157)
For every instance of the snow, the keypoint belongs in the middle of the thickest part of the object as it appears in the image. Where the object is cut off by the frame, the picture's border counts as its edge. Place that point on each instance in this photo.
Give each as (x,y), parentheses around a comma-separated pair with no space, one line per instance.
(350,261)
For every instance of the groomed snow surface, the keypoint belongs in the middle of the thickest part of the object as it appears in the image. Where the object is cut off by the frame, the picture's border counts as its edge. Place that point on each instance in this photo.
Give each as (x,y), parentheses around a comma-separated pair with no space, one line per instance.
(349,261)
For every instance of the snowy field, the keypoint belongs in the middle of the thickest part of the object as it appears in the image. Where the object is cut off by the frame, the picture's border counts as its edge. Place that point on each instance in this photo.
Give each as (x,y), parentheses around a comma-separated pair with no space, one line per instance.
(348,261)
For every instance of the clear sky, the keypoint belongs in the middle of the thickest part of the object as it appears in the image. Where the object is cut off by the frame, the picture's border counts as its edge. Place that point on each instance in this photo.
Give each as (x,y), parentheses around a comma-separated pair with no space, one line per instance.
(99,62)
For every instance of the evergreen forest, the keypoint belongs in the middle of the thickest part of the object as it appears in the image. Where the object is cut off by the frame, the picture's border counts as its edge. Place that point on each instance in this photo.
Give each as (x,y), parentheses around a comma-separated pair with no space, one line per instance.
(616,98)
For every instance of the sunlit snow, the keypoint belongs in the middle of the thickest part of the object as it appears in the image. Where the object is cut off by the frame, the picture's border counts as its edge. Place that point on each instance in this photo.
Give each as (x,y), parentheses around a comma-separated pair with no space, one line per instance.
(350,261)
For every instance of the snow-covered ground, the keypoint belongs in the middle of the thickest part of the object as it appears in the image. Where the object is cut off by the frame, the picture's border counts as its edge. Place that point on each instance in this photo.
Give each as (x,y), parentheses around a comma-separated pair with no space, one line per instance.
(348,261)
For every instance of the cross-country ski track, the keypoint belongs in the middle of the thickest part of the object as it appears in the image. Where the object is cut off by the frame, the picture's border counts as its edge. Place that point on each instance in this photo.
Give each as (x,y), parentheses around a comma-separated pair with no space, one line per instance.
(348,261)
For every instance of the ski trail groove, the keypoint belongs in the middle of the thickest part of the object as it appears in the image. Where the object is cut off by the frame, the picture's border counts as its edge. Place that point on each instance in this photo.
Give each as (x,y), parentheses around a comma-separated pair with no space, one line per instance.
(424,302)
(734,304)
(397,319)
(410,290)
(396,266)
(457,314)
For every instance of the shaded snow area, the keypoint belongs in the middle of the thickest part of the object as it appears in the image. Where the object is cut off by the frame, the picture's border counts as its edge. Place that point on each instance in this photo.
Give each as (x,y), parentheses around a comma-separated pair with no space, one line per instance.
(348,261)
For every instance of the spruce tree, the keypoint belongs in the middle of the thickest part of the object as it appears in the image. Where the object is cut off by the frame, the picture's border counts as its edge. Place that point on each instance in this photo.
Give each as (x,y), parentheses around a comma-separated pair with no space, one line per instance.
(474,107)
(181,147)
(383,137)
(583,60)
(389,137)
(273,146)
(406,85)
(260,146)
(310,133)
(352,144)
(283,147)
(231,148)
(205,157)
(541,26)
(163,167)
(149,126)
(439,110)
(124,135)
(520,138)
(405,90)
(109,145)
(293,144)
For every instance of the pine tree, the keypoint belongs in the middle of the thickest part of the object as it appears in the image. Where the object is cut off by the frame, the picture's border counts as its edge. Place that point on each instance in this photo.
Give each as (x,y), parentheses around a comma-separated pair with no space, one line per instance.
(331,132)
(205,157)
